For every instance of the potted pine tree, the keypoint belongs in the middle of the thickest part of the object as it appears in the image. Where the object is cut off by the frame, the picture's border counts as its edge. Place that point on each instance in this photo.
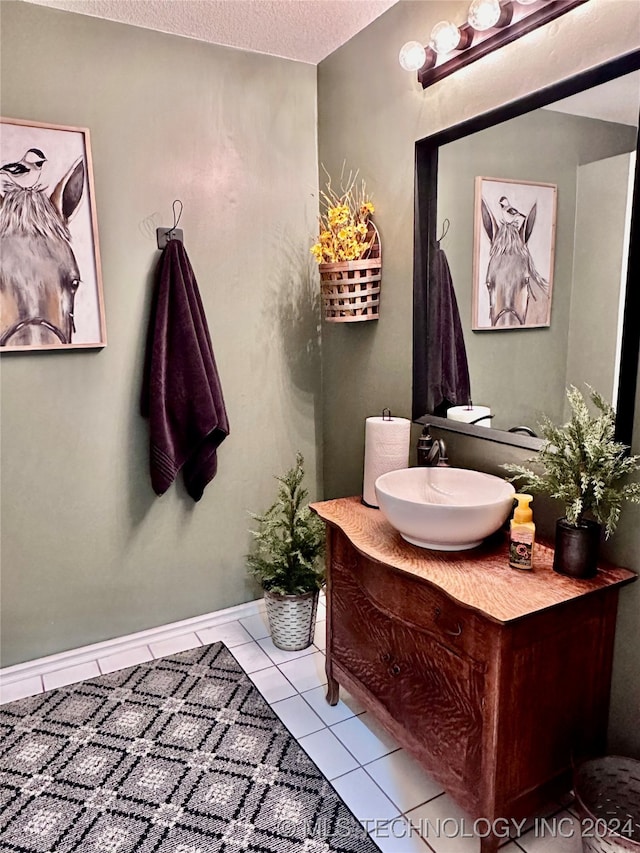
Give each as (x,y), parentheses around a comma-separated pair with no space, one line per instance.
(289,542)
(582,465)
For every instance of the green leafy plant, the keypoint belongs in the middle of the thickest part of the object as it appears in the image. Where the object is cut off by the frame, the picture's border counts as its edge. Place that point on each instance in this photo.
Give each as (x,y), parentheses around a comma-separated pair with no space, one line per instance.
(582,464)
(289,540)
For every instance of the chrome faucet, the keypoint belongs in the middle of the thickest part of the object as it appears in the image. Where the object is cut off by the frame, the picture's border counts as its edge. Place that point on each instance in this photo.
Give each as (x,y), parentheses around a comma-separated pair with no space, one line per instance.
(432,452)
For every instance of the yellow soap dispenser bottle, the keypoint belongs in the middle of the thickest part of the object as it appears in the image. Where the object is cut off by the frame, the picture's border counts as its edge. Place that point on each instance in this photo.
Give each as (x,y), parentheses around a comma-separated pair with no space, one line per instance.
(522,534)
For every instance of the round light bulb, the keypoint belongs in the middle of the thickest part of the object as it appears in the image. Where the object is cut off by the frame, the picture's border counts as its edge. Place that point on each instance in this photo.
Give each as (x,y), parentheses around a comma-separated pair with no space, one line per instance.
(445,37)
(484,14)
(412,56)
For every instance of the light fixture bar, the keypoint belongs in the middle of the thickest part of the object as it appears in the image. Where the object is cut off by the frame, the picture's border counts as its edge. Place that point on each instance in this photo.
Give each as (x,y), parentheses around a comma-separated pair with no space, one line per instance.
(483,44)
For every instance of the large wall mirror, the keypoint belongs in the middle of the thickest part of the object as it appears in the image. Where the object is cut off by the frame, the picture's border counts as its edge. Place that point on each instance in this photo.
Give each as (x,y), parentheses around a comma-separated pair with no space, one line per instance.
(579,137)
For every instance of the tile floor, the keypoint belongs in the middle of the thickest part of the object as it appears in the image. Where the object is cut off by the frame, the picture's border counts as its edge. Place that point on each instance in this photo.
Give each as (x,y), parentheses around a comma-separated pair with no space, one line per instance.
(403,808)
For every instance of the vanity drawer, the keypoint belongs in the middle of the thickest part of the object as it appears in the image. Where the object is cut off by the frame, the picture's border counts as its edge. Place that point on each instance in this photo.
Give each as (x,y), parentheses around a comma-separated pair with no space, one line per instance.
(431,690)
(411,602)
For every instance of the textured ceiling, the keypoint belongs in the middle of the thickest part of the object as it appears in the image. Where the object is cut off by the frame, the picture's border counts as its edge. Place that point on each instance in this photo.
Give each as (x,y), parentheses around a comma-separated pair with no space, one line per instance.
(304,30)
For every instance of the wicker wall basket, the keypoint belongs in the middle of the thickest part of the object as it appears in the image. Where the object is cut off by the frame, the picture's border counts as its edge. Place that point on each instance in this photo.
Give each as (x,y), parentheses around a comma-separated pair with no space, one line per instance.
(608,803)
(351,289)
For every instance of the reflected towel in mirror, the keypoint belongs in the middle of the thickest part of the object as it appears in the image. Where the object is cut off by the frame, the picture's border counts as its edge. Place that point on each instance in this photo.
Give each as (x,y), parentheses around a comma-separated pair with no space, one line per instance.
(448,373)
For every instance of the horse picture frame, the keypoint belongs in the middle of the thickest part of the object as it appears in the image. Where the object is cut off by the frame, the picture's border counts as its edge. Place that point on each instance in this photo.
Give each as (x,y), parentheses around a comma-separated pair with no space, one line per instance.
(51,295)
(513,256)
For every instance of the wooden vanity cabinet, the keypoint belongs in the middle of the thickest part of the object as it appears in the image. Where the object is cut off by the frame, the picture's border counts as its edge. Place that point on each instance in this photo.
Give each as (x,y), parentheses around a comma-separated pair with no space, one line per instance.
(489,676)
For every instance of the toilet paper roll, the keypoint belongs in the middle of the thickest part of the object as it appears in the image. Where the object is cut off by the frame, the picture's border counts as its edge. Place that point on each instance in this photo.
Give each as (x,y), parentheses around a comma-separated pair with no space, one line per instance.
(468,414)
(386,448)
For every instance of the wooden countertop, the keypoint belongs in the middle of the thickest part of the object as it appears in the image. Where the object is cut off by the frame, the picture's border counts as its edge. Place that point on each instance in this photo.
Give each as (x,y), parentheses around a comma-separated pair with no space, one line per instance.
(480,578)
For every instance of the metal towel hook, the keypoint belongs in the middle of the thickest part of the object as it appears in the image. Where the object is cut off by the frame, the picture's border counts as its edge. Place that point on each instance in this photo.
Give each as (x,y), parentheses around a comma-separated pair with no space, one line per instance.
(176,220)
(445,230)
(164,235)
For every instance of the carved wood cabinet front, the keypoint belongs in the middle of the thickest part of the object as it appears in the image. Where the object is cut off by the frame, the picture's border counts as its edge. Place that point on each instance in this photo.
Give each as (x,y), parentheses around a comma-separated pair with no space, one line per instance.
(490,677)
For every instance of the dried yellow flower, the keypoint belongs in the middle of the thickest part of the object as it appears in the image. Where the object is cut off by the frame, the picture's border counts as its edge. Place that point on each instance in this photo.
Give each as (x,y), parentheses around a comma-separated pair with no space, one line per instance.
(344,229)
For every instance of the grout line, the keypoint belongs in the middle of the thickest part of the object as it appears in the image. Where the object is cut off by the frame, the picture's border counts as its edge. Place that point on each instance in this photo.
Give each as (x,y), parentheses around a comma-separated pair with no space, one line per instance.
(391,752)
(380,788)
(429,847)
(359,763)
(169,654)
(324,686)
(419,805)
(299,694)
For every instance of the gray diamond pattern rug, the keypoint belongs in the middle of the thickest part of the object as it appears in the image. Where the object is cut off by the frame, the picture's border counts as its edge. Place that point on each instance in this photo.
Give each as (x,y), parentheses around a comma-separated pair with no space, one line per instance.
(178,755)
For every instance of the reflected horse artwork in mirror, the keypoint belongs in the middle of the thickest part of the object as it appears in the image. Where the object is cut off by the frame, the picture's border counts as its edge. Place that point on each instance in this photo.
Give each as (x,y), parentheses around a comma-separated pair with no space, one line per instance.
(41,270)
(517,294)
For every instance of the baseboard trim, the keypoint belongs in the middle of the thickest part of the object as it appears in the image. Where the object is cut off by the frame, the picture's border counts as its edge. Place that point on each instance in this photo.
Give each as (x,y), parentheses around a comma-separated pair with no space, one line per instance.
(50,663)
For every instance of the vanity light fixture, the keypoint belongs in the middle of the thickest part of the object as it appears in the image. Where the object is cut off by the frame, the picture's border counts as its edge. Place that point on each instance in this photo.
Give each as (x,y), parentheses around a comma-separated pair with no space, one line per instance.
(490,24)
(412,56)
(446,37)
(487,14)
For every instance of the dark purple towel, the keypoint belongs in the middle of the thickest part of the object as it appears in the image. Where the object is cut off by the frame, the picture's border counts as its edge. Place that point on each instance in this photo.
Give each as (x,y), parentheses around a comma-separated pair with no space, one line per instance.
(181,393)
(448,369)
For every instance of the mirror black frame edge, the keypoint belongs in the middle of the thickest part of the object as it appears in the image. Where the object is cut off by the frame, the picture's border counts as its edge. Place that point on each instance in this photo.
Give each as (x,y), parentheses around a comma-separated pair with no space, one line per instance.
(425,224)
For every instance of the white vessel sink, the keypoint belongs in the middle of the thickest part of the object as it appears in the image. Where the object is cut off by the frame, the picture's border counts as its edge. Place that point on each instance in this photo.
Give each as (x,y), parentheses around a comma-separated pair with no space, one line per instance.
(448,509)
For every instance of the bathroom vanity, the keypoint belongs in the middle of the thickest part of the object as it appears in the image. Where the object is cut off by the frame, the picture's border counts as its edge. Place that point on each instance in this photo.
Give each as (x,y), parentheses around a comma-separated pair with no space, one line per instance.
(490,677)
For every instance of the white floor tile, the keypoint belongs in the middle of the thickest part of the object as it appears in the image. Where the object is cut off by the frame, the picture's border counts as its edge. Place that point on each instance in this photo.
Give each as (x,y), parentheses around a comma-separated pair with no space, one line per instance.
(559,834)
(403,780)
(121,660)
(398,836)
(251,657)
(279,656)
(320,635)
(328,753)
(364,798)
(257,626)
(173,645)
(364,737)
(20,689)
(445,826)
(347,705)
(307,672)
(230,633)
(321,613)
(272,684)
(70,675)
(298,716)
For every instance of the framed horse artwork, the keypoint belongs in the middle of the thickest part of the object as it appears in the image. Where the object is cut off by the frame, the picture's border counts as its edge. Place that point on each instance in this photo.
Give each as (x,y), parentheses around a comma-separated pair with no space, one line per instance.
(513,258)
(50,279)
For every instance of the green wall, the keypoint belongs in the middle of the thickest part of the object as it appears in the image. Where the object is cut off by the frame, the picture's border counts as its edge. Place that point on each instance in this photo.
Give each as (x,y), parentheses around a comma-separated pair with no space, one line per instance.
(88,551)
(371,113)
(602,198)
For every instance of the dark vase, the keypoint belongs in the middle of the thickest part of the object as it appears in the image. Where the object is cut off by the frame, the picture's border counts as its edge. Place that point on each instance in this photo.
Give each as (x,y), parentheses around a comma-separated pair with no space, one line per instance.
(577,548)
